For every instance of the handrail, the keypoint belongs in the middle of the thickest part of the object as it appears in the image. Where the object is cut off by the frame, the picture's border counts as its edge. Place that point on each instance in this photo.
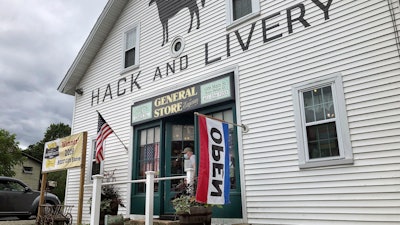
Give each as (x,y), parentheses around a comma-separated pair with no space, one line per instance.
(150,179)
(144,180)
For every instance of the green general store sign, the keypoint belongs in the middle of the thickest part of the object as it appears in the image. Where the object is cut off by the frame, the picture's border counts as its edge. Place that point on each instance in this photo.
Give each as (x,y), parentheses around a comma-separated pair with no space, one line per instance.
(185,99)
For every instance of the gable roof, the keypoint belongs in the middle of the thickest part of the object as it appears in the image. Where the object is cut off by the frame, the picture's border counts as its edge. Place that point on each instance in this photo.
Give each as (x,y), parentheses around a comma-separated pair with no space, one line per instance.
(32,158)
(93,43)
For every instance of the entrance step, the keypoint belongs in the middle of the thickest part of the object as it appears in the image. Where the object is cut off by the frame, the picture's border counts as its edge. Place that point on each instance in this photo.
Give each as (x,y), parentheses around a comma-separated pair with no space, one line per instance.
(171,217)
(155,222)
(176,222)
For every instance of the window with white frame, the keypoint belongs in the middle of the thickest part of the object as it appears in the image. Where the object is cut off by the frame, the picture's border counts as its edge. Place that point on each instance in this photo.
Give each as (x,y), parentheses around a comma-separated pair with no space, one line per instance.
(27,169)
(131,47)
(239,10)
(95,168)
(321,123)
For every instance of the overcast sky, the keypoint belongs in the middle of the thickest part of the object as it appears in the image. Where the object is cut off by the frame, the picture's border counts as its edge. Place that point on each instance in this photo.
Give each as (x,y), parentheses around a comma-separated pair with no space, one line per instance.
(39,39)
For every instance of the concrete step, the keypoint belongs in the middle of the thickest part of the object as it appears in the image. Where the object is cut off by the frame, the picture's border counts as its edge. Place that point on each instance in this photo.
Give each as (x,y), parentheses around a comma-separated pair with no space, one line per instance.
(155,222)
(165,222)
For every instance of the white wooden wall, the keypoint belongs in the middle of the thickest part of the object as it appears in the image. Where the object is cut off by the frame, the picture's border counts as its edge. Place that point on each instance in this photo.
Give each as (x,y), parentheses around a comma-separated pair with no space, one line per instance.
(358,41)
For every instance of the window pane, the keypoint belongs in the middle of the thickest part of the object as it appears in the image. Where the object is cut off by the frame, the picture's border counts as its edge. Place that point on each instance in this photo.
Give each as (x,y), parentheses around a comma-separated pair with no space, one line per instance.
(323,132)
(325,149)
(150,136)
(16,186)
(313,150)
(143,137)
(176,132)
(157,134)
(149,156)
(228,116)
(318,104)
(327,93)
(307,96)
(94,151)
(312,135)
(317,96)
(322,140)
(130,39)
(130,58)
(329,111)
(319,112)
(218,115)
(95,168)
(334,147)
(241,8)
(332,130)
(309,114)
(27,169)
(188,133)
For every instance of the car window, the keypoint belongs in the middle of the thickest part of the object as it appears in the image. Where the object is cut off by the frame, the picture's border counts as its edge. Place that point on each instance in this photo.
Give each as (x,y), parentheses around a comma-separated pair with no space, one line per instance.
(15,186)
(4,186)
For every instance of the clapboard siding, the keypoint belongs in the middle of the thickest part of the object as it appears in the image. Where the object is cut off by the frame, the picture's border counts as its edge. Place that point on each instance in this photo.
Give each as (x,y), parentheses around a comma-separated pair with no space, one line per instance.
(357,42)
(277,192)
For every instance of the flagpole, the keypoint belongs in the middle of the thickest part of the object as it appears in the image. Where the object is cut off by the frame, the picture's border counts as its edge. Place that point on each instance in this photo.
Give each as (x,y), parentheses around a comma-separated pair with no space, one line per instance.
(126,148)
(244,127)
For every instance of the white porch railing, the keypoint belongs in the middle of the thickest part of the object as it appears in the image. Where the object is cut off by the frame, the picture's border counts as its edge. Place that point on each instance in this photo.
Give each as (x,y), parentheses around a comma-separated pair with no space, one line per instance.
(149,210)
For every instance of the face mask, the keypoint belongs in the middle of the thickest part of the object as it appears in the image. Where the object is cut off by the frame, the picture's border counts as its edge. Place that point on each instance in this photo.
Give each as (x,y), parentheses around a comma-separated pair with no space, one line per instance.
(185,156)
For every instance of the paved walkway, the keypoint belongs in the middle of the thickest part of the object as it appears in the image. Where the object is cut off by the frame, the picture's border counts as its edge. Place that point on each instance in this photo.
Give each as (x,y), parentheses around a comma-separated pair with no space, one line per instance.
(12,221)
(18,222)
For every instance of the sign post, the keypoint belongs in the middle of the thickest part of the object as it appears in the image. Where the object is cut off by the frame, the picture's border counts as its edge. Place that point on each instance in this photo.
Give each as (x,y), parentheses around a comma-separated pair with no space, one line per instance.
(62,154)
(82,179)
(42,190)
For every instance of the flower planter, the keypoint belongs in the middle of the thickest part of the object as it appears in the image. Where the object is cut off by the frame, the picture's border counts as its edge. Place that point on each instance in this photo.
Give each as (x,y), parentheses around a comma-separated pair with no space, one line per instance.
(112,209)
(197,216)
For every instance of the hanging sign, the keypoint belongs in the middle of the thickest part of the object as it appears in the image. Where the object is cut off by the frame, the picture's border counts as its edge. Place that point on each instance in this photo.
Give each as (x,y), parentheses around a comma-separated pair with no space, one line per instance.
(63,153)
(185,99)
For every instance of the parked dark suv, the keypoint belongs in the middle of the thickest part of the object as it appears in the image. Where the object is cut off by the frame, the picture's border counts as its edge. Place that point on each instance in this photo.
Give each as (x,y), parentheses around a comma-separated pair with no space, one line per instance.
(17,199)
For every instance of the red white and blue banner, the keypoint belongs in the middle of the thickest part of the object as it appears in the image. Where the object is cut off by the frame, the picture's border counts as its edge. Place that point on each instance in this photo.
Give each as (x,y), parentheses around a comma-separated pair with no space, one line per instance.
(213,179)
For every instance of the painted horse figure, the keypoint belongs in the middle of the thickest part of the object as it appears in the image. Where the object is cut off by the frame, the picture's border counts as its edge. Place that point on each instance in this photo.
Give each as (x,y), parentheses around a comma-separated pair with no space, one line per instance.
(169,8)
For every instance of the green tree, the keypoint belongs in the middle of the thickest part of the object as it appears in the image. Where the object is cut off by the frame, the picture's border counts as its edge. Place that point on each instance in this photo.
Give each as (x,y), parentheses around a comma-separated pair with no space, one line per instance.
(10,153)
(60,177)
(53,132)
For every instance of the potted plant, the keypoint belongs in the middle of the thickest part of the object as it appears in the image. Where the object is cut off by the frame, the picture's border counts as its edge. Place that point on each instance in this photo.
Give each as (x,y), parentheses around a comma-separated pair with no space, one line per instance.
(110,198)
(188,209)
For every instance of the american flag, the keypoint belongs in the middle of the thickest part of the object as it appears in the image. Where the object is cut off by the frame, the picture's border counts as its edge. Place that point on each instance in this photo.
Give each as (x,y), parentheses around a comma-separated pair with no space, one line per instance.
(103,130)
(151,157)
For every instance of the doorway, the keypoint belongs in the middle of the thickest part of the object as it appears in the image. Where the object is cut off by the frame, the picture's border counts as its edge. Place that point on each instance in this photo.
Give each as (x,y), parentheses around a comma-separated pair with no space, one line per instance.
(159,146)
(180,133)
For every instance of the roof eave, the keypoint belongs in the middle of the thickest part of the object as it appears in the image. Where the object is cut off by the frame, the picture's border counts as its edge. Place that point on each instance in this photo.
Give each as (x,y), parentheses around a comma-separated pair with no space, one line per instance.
(92,45)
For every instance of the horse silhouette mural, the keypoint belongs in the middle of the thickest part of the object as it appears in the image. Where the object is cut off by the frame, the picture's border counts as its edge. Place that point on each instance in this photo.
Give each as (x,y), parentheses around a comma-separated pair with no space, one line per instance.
(169,8)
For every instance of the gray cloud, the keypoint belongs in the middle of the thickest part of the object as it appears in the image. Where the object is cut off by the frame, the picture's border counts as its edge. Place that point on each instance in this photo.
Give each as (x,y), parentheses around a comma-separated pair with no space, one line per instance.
(39,40)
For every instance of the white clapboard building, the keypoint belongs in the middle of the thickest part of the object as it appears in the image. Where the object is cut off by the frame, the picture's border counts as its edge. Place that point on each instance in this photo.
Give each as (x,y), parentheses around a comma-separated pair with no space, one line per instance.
(316,81)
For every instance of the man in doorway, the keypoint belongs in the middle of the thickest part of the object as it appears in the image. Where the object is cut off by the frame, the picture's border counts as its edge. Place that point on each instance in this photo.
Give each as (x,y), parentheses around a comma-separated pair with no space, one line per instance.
(190,158)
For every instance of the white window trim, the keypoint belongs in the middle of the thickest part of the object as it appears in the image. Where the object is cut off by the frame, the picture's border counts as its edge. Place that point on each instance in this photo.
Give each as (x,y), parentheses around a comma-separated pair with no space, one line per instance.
(342,128)
(27,171)
(92,156)
(137,48)
(230,23)
(172,52)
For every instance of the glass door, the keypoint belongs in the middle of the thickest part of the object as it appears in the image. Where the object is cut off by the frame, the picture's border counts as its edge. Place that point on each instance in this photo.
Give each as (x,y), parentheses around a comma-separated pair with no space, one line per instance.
(147,157)
(178,137)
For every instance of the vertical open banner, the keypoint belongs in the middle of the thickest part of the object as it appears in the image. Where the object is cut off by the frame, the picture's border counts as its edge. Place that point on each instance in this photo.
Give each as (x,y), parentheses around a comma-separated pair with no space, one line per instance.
(213,181)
